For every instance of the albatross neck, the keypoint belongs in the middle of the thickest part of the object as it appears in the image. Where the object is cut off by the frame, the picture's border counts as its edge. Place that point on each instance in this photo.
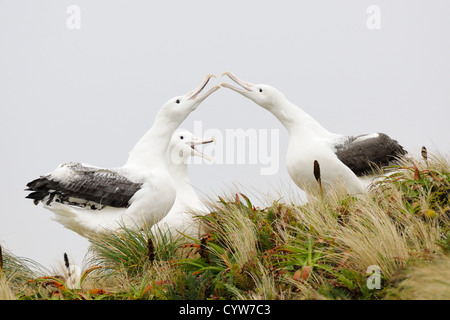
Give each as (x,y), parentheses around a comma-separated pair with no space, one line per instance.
(186,199)
(150,150)
(295,120)
(179,173)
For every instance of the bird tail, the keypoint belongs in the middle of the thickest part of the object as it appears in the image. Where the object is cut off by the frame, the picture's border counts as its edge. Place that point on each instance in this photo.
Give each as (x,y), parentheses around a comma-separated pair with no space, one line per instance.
(41,188)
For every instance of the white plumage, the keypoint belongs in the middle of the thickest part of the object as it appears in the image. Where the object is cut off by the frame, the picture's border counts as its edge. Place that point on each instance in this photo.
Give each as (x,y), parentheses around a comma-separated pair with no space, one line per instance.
(88,199)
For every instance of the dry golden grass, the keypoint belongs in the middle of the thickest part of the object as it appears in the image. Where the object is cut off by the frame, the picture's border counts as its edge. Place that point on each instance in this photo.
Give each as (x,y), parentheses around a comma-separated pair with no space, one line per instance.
(6,292)
(427,281)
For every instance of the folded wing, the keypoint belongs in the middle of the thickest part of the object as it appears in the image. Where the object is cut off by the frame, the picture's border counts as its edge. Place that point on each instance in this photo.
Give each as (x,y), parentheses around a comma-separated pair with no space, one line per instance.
(363,154)
(82,185)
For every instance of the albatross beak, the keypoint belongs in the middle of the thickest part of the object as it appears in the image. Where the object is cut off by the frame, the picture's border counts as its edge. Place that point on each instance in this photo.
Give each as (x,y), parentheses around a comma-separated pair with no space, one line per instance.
(193,94)
(198,141)
(247,86)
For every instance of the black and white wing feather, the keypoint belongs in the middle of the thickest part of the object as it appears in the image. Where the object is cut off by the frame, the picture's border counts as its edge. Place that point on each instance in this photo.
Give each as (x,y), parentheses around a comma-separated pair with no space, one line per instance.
(364,153)
(85,186)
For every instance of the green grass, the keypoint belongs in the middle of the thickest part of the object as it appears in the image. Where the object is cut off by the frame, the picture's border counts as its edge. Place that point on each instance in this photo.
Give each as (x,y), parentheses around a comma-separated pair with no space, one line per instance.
(323,249)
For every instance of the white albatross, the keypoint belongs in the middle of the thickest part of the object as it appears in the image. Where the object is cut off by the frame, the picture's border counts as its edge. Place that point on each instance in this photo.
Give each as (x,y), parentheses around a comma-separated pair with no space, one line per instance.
(89,199)
(342,159)
(181,221)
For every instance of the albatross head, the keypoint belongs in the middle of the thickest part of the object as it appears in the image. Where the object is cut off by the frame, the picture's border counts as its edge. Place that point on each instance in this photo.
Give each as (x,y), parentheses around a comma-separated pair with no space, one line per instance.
(181,106)
(183,145)
(264,95)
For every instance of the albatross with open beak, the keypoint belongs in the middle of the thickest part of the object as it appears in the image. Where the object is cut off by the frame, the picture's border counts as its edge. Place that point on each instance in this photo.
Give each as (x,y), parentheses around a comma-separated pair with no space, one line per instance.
(342,159)
(89,199)
(181,219)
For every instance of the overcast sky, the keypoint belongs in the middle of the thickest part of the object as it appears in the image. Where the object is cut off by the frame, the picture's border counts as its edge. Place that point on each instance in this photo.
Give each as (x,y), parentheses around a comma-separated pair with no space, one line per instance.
(84,83)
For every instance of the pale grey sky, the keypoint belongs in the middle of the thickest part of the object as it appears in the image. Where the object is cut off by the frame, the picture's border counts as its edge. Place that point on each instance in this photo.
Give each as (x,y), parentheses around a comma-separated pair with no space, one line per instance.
(89,94)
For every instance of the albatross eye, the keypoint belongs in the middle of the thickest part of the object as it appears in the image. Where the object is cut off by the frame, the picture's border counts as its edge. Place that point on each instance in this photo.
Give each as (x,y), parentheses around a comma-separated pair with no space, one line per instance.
(260,90)
(181,137)
(178,101)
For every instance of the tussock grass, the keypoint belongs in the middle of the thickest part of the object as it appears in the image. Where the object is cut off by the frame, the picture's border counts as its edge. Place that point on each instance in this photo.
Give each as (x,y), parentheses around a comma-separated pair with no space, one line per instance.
(14,272)
(326,248)
(427,281)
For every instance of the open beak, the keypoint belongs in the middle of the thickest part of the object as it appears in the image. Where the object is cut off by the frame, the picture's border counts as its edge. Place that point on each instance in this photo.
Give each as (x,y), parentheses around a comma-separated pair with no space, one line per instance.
(245,85)
(198,141)
(193,95)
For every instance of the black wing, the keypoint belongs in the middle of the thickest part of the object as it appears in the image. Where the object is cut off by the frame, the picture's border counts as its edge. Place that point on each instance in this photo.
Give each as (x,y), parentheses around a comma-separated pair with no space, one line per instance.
(361,153)
(86,185)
